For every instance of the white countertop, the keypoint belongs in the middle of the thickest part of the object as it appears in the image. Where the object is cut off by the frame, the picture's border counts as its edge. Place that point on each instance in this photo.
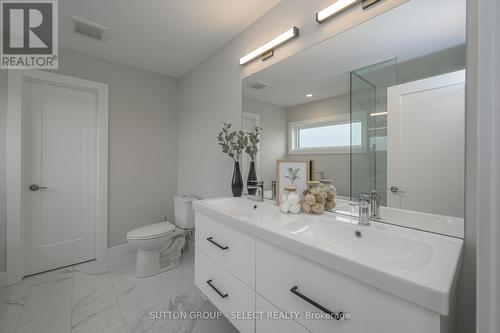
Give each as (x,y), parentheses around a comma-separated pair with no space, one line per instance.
(418,266)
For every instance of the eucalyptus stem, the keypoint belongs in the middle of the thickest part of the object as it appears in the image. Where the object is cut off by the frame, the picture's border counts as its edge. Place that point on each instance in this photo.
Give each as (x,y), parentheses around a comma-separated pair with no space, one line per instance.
(232,142)
(252,143)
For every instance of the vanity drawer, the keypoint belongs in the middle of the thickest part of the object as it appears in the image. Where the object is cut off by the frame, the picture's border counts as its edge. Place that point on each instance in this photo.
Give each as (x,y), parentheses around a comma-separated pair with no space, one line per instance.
(231,248)
(226,292)
(267,324)
(370,309)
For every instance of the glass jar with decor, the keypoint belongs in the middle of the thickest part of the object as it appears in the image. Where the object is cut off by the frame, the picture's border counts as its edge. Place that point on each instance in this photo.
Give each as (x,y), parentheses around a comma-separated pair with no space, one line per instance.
(314,198)
(290,200)
(330,193)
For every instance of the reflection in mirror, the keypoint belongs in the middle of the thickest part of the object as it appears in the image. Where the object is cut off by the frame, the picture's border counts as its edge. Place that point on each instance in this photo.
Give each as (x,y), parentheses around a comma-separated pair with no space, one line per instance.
(378,110)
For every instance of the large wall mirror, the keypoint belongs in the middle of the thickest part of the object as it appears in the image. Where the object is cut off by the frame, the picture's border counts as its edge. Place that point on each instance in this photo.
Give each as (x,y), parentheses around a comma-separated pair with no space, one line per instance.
(377,108)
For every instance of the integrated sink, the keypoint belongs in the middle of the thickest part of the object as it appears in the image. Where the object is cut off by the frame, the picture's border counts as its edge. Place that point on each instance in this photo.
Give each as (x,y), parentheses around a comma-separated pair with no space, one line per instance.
(440,224)
(383,248)
(244,209)
(419,266)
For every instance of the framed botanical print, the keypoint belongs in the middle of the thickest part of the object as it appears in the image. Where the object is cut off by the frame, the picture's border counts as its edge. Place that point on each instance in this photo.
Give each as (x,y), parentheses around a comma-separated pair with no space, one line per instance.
(296,172)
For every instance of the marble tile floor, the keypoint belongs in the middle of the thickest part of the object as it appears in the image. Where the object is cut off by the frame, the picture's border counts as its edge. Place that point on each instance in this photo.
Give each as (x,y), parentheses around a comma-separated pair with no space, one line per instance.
(106,297)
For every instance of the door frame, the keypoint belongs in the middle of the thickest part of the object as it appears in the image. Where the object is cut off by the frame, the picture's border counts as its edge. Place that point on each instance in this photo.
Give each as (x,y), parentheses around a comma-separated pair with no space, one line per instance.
(16,94)
(256,117)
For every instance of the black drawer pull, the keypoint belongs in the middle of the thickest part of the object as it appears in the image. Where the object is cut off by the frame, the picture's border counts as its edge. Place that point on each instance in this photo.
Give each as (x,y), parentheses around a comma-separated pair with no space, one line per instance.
(334,315)
(221,294)
(211,240)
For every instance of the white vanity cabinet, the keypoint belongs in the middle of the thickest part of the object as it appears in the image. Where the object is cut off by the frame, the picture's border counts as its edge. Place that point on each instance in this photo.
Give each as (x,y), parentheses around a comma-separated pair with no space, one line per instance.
(273,319)
(368,309)
(241,273)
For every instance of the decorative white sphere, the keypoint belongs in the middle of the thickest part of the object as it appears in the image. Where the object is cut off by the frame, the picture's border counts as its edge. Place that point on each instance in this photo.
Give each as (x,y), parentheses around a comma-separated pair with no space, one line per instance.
(285,207)
(295,209)
(293,198)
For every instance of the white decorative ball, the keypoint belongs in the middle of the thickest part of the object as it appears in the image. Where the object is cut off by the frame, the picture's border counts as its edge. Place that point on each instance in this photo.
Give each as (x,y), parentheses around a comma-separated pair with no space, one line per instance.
(293,198)
(295,209)
(285,207)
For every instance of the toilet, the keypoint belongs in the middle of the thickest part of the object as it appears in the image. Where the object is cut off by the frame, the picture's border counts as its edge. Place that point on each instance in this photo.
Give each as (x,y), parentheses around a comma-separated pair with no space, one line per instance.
(159,245)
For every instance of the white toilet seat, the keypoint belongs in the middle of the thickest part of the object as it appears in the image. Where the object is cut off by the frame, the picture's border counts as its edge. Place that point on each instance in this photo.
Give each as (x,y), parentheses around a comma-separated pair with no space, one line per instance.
(151,231)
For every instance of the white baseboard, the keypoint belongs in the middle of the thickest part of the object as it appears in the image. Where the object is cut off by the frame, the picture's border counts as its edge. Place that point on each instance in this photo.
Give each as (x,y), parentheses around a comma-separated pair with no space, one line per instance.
(2,279)
(121,250)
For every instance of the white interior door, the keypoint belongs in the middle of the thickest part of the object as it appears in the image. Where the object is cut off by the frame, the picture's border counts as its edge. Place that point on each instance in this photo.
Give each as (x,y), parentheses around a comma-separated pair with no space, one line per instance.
(426,145)
(61,155)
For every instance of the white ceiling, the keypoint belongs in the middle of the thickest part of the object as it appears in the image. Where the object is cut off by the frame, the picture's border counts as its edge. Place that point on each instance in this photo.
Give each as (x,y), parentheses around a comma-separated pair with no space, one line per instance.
(164,36)
(416,28)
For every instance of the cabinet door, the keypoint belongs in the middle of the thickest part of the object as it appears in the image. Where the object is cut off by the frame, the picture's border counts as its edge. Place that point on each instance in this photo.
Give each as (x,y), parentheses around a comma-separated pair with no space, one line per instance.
(317,289)
(272,319)
(232,249)
(227,293)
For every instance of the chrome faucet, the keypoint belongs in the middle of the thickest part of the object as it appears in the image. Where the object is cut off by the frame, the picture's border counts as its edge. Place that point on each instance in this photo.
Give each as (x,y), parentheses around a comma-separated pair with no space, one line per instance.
(259,195)
(375,199)
(364,209)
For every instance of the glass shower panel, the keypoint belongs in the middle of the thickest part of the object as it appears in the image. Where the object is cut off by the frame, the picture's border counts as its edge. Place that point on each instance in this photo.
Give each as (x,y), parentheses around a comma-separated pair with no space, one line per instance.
(369,108)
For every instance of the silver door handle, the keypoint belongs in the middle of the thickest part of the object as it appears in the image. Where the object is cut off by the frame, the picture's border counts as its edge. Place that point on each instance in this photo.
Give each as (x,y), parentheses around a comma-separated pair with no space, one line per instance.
(395,189)
(36,187)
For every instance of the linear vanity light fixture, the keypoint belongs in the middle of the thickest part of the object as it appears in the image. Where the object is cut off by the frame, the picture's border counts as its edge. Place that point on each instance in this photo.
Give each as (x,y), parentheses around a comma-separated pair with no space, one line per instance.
(339,6)
(270,46)
(376,114)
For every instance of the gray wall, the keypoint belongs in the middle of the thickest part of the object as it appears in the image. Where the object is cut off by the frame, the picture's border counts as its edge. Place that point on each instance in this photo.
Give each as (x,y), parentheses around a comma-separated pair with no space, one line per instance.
(273,120)
(142,143)
(445,61)
(335,166)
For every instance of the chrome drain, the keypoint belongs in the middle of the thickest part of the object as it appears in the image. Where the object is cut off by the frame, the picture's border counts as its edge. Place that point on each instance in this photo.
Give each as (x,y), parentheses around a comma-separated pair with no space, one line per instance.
(358,234)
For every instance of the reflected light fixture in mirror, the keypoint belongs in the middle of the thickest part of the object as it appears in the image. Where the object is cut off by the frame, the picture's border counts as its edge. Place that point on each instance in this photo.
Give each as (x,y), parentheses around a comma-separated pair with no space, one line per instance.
(339,6)
(335,8)
(376,114)
(271,45)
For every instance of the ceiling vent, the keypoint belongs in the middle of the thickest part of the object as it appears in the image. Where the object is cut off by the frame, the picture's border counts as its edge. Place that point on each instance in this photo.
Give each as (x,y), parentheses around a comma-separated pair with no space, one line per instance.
(89,29)
(258,85)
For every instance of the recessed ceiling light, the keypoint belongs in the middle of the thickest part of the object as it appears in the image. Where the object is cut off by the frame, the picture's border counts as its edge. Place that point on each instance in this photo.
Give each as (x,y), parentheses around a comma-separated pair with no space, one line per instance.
(309,95)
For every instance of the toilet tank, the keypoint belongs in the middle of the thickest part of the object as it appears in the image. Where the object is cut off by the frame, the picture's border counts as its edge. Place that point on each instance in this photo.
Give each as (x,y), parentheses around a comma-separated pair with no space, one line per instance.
(183,210)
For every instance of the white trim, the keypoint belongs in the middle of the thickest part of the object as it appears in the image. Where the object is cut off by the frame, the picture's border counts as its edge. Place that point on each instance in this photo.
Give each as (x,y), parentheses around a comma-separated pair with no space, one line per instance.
(293,126)
(15,224)
(2,279)
(121,250)
(251,115)
(486,154)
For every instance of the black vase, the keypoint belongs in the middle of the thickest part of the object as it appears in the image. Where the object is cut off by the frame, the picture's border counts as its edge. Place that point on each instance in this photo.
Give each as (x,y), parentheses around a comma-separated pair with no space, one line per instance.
(237,182)
(251,179)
